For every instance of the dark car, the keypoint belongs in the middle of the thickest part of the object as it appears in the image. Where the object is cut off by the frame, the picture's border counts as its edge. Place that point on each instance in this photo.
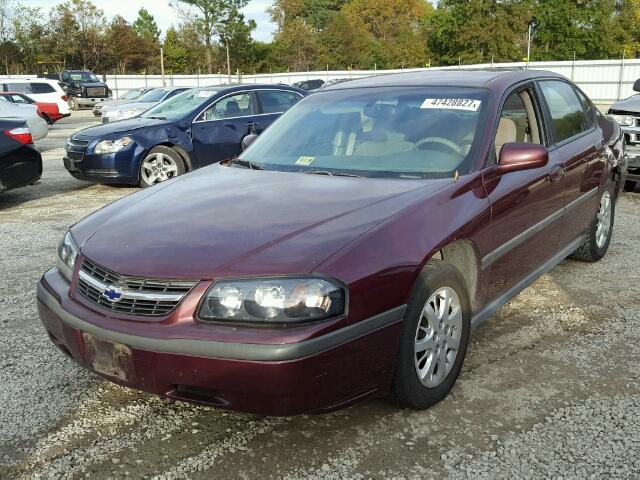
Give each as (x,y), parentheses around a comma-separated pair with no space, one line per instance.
(20,162)
(196,128)
(309,85)
(627,113)
(349,252)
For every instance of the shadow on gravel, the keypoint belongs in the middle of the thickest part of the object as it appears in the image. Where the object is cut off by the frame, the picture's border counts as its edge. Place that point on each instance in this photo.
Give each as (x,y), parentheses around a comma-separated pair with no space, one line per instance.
(39,191)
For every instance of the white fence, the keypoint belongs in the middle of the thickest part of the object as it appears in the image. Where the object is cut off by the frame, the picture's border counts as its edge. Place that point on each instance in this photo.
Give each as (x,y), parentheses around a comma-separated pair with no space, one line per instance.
(604,81)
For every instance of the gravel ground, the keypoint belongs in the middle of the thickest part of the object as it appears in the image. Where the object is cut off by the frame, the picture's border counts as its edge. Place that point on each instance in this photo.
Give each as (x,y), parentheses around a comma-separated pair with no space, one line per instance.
(550,388)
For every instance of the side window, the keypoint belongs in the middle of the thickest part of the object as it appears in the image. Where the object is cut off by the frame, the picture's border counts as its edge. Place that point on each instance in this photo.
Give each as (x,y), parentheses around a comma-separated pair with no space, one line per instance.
(239,105)
(18,87)
(567,114)
(172,93)
(518,121)
(41,88)
(19,99)
(274,101)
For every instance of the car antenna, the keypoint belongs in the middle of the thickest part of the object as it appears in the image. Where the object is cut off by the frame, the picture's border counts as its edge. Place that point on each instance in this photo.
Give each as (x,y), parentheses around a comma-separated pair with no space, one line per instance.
(456,175)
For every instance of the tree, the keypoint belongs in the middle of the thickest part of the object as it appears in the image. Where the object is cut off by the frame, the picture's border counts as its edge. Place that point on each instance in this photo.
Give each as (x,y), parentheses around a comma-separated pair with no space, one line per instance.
(211,16)
(296,47)
(146,26)
(176,55)
(126,47)
(316,13)
(29,30)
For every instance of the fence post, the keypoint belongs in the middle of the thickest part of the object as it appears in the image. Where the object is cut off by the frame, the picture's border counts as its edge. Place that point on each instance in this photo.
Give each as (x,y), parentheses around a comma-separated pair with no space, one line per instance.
(621,76)
(198,77)
(115,82)
(573,67)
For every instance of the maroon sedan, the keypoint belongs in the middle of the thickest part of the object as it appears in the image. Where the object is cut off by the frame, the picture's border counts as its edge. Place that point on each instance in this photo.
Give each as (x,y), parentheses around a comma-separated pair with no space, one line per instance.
(349,252)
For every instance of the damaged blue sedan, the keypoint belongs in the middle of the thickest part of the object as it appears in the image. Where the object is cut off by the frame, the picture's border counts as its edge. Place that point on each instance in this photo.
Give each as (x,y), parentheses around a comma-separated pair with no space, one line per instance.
(191,130)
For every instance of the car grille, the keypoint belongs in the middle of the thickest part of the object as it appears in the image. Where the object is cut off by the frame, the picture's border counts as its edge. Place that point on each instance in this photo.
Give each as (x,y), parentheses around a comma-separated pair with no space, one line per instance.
(75,149)
(130,295)
(96,92)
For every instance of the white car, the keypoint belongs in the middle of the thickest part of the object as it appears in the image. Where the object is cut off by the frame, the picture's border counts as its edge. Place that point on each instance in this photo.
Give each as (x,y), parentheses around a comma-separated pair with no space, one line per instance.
(123,111)
(40,90)
(29,113)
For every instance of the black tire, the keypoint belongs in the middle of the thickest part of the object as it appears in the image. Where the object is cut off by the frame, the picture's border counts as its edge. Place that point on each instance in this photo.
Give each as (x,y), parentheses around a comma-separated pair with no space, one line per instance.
(589,251)
(73,105)
(407,389)
(169,152)
(630,186)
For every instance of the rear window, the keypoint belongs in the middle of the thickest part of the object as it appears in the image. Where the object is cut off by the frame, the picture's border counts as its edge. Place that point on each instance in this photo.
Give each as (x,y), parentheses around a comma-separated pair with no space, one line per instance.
(42,88)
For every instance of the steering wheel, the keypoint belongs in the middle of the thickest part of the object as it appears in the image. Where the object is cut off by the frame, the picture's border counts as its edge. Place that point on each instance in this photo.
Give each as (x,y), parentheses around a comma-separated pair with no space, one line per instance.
(440,141)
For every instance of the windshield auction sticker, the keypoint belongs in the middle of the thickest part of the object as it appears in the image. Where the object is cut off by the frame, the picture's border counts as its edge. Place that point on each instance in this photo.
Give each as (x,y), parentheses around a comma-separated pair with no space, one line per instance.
(465,104)
(305,160)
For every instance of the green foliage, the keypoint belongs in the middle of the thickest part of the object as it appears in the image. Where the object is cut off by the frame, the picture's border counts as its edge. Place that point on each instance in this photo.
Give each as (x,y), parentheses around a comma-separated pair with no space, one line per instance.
(146,26)
(314,34)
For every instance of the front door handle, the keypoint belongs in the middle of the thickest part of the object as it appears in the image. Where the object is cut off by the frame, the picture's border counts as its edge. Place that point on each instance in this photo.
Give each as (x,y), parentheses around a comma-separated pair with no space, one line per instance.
(556,173)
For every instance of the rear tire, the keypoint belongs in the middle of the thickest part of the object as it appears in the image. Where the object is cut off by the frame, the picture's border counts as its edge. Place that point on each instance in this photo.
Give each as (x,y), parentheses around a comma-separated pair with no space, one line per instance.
(159,165)
(630,186)
(598,235)
(73,105)
(434,338)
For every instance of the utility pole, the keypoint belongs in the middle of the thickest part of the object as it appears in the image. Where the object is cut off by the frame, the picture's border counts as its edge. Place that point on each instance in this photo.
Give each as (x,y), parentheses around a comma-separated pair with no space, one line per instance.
(164,84)
(533,24)
(228,62)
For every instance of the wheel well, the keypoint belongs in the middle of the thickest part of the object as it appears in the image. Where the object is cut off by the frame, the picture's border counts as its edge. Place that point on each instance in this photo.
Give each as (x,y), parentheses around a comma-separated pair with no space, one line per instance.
(462,255)
(183,154)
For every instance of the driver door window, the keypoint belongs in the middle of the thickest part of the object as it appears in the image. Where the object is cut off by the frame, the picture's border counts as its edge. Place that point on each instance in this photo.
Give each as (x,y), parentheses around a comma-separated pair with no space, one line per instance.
(518,121)
(233,106)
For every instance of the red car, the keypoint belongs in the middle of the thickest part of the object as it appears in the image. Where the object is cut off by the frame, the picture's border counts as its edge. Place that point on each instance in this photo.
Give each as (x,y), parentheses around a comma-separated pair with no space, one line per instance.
(49,111)
(349,252)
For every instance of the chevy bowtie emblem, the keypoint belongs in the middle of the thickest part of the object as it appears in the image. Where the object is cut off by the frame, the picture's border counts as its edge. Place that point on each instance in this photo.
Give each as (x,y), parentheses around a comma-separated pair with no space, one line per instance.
(113,293)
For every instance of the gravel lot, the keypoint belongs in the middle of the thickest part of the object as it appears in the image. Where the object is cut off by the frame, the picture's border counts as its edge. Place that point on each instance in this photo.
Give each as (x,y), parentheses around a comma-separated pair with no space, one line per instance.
(551,386)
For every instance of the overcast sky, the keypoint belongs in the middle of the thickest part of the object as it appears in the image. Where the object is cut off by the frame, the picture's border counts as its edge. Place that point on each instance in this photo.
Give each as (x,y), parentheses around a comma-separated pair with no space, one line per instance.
(165,15)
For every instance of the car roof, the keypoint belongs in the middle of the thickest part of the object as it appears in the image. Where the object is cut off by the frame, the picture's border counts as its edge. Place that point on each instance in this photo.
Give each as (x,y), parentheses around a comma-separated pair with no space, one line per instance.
(249,86)
(29,80)
(493,79)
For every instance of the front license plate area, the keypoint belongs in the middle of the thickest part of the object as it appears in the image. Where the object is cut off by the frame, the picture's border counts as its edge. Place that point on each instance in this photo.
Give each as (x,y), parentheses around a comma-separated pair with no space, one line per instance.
(108,358)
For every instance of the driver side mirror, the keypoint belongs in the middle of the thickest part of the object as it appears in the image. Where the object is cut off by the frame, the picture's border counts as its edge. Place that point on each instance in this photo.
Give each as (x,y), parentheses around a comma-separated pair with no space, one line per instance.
(248,140)
(515,157)
(636,86)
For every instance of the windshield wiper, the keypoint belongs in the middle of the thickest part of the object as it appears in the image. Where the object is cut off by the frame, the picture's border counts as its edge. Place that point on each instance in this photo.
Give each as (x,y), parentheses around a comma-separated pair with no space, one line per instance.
(157,117)
(245,163)
(333,173)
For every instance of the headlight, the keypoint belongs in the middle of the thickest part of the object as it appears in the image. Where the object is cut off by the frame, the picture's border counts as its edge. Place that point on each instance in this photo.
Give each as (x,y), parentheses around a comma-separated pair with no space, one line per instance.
(112,146)
(67,255)
(273,300)
(124,114)
(623,120)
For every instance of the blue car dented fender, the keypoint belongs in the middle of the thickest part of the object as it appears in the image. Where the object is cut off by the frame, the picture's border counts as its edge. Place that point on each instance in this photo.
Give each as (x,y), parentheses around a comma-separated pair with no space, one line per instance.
(191,130)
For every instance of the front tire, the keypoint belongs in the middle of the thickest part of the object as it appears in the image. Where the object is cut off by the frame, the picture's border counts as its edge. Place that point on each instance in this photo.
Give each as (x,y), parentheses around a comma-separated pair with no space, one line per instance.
(598,235)
(159,165)
(434,339)
(73,105)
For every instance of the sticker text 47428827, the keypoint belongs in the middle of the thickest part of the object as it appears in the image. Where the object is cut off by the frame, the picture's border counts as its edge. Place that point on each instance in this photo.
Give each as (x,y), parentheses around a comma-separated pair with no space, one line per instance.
(464,104)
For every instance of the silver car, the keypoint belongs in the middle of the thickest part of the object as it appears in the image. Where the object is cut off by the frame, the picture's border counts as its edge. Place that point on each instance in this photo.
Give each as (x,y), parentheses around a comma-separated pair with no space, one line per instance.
(150,99)
(28,113)
(127,97)
(627,113)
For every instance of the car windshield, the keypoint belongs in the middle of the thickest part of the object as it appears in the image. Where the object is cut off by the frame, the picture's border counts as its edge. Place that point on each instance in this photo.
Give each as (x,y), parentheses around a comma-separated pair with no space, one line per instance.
(154,95)
(132,94)
(399,132)
(83,77)
(180,105)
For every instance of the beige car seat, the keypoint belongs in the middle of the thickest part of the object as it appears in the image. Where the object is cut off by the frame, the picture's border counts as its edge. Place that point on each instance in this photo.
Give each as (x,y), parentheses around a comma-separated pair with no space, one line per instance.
(507,133)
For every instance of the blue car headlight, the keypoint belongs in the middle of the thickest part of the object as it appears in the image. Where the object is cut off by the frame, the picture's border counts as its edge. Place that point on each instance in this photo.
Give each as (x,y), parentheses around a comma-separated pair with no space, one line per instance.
(112,146)
(273,300)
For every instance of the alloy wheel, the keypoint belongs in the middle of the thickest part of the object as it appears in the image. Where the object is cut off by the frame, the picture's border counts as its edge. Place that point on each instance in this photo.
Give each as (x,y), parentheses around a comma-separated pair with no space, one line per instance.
(438,335)
(604,220)
(157,168)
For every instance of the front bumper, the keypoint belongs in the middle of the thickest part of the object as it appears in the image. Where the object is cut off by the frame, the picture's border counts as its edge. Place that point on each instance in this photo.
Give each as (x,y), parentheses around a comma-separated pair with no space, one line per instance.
(115,168)
(633,167)
(89,102)
(314,375)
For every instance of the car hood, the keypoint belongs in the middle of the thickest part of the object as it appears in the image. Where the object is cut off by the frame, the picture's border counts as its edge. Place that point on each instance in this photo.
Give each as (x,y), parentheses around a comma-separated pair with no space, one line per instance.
(130,106)
(631,104)
(222,221)
(124,126)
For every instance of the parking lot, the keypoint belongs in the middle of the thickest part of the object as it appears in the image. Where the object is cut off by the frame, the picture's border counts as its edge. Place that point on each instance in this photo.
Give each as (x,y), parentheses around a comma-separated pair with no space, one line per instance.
(550,388)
